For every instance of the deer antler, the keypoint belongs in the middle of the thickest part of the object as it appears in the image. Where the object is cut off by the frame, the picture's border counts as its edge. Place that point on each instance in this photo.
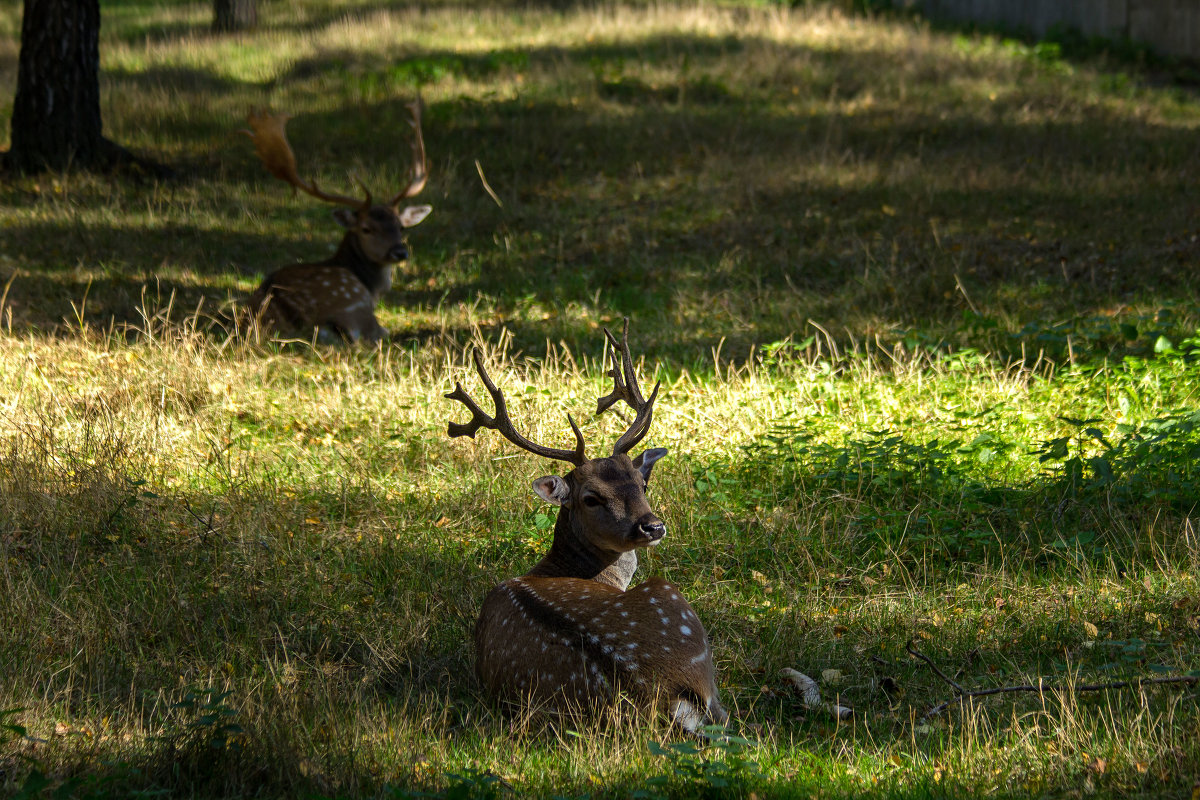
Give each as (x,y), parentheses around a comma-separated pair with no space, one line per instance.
(271,145)
(503,424)
(625,387)
(420,171)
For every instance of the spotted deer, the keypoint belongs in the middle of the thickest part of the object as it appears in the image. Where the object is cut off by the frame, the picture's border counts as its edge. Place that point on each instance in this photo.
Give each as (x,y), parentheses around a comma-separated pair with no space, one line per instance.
(338,295)
(570,633)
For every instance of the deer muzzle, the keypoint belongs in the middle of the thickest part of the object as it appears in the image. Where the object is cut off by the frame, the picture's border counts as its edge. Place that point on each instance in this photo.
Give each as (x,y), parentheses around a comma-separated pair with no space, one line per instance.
(649,530)
(398,253)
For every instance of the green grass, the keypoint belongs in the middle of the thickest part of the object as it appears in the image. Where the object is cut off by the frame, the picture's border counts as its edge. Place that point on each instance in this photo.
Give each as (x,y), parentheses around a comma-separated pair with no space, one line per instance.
(924,306)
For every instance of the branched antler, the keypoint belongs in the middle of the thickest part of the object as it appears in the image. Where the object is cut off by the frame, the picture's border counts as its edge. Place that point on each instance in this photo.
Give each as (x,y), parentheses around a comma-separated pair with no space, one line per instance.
(420,168)
(503,424)
(268,131)
(625,387)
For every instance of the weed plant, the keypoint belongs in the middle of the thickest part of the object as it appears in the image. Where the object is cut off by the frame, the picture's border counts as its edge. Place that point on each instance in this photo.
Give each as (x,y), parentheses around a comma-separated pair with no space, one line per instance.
(924,305)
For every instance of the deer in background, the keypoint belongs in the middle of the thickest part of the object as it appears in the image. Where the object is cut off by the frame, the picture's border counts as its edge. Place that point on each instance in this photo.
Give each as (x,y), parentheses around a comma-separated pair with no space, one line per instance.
(338,295)
(570,633)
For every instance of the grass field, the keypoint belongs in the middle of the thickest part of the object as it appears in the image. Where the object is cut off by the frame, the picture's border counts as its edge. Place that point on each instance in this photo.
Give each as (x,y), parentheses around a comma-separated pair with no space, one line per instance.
(925,309)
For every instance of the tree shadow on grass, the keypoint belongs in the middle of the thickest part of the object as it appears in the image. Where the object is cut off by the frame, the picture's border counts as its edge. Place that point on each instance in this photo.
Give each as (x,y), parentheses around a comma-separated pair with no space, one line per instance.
(727,209)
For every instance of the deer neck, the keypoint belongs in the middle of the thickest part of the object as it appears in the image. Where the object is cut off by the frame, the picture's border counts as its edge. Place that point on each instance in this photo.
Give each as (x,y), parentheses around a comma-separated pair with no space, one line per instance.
(572,556)
(376,277)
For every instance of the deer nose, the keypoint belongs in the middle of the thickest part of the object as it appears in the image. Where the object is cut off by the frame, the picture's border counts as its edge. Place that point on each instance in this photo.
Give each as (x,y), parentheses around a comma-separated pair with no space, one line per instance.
(651,529)
(398,253)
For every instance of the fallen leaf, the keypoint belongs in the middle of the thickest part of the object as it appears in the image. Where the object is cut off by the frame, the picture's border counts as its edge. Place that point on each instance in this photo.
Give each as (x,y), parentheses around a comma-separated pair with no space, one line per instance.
(831,676)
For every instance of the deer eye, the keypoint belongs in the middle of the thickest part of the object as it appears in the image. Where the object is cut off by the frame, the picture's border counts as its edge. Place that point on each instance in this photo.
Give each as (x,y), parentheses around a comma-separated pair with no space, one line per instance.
(591,501)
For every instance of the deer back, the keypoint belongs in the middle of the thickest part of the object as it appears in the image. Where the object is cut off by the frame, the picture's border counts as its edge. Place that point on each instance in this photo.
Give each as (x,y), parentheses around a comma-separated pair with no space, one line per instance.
(565,641)
(306,296)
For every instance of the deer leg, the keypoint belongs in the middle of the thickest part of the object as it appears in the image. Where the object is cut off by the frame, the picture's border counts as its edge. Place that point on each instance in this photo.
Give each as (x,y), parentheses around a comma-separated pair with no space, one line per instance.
(686,714)
(357,321)
(375,332)
(330,334)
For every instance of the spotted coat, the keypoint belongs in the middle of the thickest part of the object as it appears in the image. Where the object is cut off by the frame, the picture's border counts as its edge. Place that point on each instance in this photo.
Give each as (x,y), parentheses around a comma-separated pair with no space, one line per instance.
(563,641)
(305,296)
(338,296)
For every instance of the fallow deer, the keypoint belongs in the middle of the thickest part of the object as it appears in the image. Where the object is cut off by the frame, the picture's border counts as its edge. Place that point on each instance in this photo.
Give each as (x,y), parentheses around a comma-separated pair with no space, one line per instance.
(569,633)
(338,295)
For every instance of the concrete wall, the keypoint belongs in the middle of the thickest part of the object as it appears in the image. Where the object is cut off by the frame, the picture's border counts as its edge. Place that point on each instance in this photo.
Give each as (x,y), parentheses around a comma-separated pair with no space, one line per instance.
(1169,26)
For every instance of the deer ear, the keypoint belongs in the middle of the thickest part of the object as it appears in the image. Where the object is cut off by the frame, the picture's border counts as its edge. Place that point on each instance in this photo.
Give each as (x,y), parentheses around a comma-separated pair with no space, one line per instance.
(645,461)
(345,217)
(552,489)
(412,215)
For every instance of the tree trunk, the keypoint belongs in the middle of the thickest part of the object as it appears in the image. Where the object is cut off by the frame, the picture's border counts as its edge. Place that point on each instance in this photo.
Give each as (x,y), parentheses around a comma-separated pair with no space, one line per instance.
(234,15)
(56,112)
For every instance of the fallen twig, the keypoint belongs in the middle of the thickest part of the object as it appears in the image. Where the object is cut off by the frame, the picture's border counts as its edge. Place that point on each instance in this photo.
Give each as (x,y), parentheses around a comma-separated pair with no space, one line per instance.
(209,530)
(913,651)
(1040,688)
(486,187)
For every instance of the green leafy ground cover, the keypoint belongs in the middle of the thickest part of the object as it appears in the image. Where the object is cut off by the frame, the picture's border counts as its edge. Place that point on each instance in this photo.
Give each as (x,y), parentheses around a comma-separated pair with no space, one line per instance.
(924,306)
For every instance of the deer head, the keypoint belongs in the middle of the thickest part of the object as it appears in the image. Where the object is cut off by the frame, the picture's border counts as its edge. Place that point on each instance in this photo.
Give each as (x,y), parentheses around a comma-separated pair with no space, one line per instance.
(376,229)
(603,510)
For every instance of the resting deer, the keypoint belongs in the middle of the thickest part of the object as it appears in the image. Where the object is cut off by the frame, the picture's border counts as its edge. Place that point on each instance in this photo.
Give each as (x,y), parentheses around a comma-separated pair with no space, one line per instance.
(337,295)
(569,632)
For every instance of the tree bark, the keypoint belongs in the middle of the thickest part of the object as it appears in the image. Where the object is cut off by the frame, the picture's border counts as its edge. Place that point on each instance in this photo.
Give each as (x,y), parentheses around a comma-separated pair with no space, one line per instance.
(234,15)
(56,111)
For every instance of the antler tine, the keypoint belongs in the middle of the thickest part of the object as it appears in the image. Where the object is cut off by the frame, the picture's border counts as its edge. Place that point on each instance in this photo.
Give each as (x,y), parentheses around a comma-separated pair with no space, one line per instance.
(420,168)
(367,199)
(625,387)
(270,143)
(503,424)
(640,426)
